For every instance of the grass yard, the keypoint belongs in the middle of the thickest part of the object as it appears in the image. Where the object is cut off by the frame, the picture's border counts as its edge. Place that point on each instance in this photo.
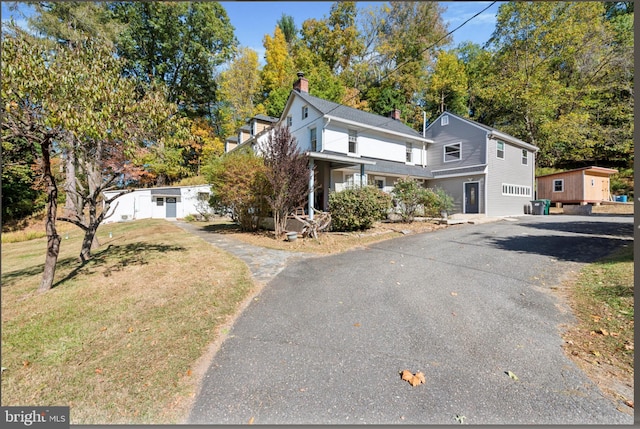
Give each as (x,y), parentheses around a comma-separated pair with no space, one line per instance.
(116,339)
(602,341)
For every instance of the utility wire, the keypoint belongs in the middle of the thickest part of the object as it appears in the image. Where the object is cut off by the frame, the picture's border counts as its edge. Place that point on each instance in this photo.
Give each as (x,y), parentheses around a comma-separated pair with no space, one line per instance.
(386,75)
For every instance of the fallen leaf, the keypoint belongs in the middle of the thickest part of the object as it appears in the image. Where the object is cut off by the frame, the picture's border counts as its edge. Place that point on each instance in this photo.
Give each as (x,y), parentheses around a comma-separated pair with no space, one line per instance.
(596,318)
(460,419)
(603,332)
(392,262)
(413,380)
(595,353)
(615,334)
(629,403)
(357,325)
(628,346)
(25,363)
(454,293)
(189,373)
(250,422)
(512,375)
(406,375)
(130,330)
(98,371)
(453,313)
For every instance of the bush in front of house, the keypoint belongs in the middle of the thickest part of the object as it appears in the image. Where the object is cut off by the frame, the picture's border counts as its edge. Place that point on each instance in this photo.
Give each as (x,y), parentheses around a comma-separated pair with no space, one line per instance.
(357,208)
(410,197)
(437,201)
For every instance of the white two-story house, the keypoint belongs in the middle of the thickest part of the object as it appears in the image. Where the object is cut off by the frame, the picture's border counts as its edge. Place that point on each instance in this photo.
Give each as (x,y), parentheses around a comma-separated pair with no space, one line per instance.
(484,170)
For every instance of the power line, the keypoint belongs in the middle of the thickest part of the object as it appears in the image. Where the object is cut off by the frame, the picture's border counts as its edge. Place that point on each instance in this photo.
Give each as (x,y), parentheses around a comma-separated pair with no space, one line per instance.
(386,75)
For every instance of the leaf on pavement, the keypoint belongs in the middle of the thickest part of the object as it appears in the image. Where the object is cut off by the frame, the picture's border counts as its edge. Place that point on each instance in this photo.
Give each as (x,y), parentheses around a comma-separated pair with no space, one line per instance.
(454,293)
(250,422)
(512,375)
(413,379)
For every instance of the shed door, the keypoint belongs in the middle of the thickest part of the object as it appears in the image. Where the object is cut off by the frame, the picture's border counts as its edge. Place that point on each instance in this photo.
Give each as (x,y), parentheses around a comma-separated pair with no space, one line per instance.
(171,207)
(471,201)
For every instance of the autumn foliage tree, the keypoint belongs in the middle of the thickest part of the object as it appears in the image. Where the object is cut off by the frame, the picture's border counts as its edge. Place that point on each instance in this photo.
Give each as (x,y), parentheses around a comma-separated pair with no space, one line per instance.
(287,174)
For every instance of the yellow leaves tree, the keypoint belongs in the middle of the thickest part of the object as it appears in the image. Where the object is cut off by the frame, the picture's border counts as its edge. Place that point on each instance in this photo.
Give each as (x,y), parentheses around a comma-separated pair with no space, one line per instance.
(277,74)
(240,89)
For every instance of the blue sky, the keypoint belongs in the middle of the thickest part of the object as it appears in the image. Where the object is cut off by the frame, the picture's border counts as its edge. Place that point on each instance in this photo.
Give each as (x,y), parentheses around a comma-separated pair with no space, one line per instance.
(253,19)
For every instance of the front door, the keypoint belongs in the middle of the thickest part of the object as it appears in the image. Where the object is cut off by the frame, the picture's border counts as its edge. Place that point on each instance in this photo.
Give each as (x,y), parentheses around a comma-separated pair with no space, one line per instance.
(471,201)
(171,207)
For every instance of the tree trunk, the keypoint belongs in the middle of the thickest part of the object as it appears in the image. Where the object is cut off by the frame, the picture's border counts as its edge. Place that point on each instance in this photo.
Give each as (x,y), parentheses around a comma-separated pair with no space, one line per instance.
(53,239)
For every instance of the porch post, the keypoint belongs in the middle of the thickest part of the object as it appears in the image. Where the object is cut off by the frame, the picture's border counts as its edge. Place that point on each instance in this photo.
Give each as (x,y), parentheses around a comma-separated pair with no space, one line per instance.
(362,175)
(311,187)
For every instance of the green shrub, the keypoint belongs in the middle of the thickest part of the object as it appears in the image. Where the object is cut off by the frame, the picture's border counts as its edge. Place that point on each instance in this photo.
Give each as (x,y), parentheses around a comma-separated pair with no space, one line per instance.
(437,201)
(357,208)
(410,196)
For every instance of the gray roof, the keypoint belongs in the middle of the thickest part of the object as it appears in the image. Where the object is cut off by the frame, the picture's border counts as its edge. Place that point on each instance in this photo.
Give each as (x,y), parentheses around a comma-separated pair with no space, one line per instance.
(492,130)
(266,118)
(350,114)
(170,192)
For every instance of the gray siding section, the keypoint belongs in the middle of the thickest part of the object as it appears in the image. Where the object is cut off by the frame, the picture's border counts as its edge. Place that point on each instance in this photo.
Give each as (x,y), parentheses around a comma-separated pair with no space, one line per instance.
(455,187)
(509,170)
(472,138)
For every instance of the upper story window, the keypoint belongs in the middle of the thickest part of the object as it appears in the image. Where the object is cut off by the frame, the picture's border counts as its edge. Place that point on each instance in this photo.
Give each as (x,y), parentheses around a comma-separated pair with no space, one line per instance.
(558,185)
(500,150)
(409,150)
(353,141)
(525,157)
(444,120)
(314,139)
(305,112)
(289,121)
(254,128)
(452,152)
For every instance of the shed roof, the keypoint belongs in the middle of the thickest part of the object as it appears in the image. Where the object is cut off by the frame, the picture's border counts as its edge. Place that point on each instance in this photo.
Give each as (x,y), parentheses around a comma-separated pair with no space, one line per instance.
(598,171)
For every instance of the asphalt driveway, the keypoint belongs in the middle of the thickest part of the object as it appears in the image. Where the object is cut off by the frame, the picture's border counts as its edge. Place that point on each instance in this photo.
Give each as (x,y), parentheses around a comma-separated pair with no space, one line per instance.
(325,340)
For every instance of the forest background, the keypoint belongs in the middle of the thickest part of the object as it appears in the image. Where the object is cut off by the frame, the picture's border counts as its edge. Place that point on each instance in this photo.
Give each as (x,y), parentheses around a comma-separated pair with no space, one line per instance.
(556,74)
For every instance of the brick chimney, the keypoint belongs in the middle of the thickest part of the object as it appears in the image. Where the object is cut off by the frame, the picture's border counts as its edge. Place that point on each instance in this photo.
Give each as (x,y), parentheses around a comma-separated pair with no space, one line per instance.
(302,84)
(395,114)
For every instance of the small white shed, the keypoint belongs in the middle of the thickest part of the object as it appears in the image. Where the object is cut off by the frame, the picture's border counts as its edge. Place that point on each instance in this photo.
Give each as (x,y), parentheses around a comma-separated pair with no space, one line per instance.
(157,203)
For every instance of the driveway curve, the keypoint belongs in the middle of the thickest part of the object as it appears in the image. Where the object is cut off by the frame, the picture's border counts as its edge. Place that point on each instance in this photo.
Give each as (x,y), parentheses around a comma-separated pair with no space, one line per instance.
(467,306)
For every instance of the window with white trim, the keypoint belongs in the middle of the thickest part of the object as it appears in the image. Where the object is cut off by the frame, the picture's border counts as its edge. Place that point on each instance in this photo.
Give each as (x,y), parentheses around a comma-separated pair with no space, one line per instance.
(409,150)
(444,121)
(558,185)
(516,190)
(452,152)
(525,157)
(305,112)
(289,121)
(500,149)
(313,136)
(353,141)
(160,201)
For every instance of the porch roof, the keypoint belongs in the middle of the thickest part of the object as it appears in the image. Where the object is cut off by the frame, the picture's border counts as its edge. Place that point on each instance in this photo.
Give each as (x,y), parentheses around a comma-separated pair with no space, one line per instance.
(337,160)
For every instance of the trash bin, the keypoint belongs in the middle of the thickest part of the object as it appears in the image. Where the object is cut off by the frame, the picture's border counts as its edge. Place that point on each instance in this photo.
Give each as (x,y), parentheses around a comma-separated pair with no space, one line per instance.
(537,207)
(621,198)
(547,205)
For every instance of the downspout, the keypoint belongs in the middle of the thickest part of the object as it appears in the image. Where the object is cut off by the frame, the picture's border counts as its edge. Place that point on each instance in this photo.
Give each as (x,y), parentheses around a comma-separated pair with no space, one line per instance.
(311,186)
